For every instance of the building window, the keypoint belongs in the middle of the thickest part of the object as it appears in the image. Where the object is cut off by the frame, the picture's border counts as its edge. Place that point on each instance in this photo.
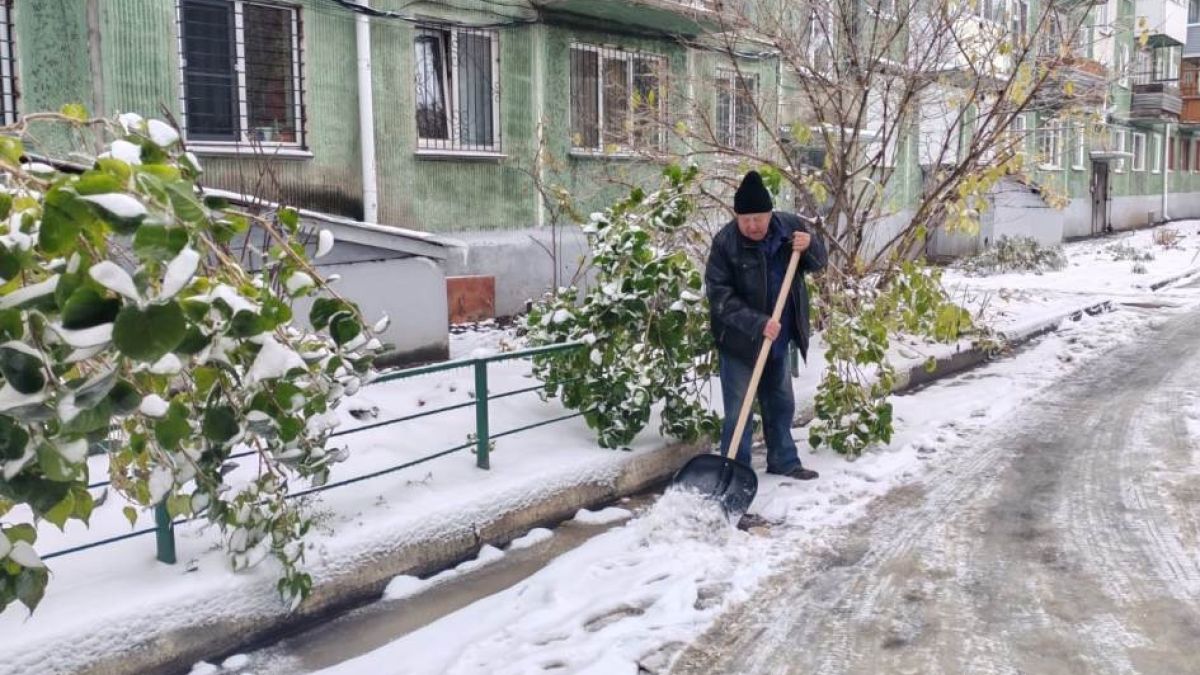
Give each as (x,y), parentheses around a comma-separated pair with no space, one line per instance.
(8,66)
(736,121)
(1118,144)
(1194,11)
(241,66)
(1166,64)
(821,31)
(456,73)
(1020,19)
(1196,155)
(1123,65)
(1050,145)
(1016,134)
(1185,155)
(617,100)
(1155,153)
(1139,152)
(989,10)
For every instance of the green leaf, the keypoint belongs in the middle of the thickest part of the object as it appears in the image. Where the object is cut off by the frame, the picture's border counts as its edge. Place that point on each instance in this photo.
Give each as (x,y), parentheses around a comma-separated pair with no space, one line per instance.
(75,111)
(62,511)
(179,505)
(57,469)
(84,504)
(182,195)
(97,183)
(275,312)
(116,168)
(13,439)
(130,514)
(344,328)
(172,429)
(247,324)
(216,203)
(220,424)
(23,532)
(24,371)
(124,398)
(206,377)
(11,325)
(86,308)
(148,334)
(156,242)
(290,218)
(323,310)
(63,218)
(31,587)
(90,420)
(11,149)
(6,202)
(194,342)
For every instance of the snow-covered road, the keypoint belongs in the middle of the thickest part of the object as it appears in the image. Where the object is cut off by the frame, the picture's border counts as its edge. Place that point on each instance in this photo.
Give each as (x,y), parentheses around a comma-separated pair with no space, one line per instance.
(1063,538)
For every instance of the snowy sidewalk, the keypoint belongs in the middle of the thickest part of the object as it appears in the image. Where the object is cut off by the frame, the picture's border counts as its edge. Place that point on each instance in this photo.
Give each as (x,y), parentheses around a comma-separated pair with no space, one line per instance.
(418,519)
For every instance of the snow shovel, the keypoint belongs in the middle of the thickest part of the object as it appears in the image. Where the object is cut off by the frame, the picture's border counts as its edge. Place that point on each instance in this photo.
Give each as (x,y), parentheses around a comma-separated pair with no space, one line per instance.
(721,477)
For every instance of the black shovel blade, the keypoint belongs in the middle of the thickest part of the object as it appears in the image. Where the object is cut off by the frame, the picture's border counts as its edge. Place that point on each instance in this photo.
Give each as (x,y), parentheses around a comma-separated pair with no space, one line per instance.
(729,482)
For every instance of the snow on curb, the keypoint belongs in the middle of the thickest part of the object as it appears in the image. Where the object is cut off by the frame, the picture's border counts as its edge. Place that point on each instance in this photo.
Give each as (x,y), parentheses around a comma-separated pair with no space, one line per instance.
(1168,280)
(159,641)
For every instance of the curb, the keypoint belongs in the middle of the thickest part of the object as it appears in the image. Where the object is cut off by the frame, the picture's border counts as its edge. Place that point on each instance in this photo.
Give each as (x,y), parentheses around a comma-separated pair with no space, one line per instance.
(1167,281)
(363,580)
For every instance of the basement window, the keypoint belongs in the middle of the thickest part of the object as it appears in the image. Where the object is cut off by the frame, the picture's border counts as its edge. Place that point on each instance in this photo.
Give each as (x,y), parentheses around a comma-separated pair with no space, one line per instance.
(617,100)
(242,80)
(8,66)
(457,88)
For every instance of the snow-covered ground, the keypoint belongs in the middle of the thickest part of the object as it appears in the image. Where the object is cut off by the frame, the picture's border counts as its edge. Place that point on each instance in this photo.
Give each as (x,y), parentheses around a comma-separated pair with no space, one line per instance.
(632,595)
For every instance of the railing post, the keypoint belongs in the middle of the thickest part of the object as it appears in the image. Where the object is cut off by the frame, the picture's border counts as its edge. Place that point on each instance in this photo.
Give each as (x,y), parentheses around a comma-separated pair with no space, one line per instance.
(482,439)
(165,534)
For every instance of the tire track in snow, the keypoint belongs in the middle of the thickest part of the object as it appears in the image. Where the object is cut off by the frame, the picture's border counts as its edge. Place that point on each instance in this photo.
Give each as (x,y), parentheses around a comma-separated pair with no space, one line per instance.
(1050,548)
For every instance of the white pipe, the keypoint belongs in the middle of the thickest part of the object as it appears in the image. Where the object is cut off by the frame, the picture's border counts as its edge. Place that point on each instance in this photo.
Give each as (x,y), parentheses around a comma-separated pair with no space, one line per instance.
(1166,166)
(366,117)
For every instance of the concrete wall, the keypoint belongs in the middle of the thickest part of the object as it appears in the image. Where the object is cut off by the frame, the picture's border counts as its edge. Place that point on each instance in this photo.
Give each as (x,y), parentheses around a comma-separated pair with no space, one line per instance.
(523,269)
(412,291)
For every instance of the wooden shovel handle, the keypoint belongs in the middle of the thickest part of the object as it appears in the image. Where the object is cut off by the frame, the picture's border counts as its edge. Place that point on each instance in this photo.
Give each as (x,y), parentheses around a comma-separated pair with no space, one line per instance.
(763,353)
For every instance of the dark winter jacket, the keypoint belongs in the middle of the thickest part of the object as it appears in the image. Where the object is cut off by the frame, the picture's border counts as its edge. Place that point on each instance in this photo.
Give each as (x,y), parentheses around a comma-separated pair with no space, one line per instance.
(736,280)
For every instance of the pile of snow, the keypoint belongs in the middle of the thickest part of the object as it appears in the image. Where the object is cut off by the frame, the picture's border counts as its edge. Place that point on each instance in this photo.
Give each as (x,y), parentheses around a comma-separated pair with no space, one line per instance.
(531,538)
(607,516)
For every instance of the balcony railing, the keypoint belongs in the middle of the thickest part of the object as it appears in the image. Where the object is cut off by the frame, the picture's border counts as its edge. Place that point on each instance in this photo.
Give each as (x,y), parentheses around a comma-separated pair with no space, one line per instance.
(1155,97)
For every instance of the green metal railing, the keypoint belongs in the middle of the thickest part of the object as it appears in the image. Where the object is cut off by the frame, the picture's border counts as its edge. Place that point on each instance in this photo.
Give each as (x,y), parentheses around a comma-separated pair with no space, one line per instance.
(481,440)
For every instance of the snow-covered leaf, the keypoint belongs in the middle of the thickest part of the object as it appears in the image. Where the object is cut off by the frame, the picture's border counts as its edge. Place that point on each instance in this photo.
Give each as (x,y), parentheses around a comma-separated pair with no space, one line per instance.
(163,134)
(118,204)
(180,272)
(154,406)
(324,243)
(110,275)
(24,555)
(28,293)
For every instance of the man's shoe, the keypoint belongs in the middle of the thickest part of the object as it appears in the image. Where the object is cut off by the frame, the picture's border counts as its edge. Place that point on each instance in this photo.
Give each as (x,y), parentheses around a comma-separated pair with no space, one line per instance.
(799,473)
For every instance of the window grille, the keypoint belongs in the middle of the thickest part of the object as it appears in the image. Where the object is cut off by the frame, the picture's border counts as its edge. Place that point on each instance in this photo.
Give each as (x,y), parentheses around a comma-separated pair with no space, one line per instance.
(617,99)
(457,89)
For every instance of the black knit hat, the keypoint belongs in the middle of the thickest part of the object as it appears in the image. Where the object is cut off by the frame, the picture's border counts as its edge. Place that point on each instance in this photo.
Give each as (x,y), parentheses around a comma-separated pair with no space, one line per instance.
(752,196)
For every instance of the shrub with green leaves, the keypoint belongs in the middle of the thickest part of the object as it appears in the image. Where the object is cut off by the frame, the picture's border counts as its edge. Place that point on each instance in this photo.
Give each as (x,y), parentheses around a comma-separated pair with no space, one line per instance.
(124,313)
(645,323)
(1015,254)
(853,409)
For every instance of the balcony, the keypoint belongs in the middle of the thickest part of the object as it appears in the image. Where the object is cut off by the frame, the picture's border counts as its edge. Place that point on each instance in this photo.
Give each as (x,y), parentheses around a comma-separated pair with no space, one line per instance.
(1189,89)
(1073,80)
(1155,100)
(1166,19)
(677,17)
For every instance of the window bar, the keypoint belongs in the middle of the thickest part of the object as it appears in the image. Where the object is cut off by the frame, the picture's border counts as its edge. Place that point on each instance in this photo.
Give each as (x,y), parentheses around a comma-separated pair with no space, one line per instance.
(297,84)
(242,133)
(8,109)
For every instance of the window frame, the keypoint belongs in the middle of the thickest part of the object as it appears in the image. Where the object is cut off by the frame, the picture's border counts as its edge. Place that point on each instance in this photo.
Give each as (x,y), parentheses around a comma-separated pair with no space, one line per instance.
(1156,150)
(1123,134)
(9,81)
(1123,56)
(1051,133)
(629,56)
(729,82)
(1079,161)
(1195,168)
(1139,158)
(243,142)
(453,146)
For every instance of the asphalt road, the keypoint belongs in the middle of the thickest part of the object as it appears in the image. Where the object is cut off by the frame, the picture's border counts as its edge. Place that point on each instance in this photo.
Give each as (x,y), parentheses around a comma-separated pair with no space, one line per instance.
(1065,539)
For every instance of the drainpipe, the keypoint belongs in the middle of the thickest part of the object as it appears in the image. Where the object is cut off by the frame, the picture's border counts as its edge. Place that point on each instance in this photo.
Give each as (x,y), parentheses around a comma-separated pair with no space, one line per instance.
(366,117)
(539,114)
(1165,167)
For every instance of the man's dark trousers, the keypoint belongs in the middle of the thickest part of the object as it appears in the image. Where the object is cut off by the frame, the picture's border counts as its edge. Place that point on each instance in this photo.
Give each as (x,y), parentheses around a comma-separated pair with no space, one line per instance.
(776,403)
